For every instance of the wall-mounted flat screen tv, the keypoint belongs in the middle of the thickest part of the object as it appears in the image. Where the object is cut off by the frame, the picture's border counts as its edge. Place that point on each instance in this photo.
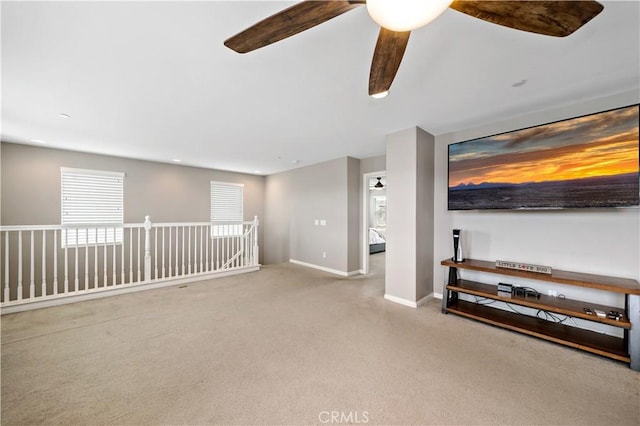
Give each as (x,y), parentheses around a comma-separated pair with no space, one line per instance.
(588,161)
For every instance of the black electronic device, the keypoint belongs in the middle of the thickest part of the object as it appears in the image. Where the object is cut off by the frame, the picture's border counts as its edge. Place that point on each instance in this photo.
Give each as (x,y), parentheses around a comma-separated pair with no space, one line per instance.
(615,315)
(457,247)
(504,287)
(526,292)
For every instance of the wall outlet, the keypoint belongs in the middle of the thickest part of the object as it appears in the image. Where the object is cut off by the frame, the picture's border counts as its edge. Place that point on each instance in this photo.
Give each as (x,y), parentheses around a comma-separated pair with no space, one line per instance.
(552,293)
(323,222)
(316,222)
(324,254)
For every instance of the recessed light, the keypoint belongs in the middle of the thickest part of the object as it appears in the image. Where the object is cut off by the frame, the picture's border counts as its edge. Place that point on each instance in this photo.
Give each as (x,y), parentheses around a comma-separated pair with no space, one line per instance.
(380,95)
(64,115)
(295,161)
(519,83)
(176,160)
(38,141)
(257,172)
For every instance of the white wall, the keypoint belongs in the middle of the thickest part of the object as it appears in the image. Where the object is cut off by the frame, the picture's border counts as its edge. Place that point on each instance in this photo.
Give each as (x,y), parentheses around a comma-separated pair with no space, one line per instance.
(599,241)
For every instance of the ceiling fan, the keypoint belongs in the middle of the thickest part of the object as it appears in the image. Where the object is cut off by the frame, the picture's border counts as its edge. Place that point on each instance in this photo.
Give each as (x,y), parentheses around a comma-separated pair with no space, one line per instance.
(398,17)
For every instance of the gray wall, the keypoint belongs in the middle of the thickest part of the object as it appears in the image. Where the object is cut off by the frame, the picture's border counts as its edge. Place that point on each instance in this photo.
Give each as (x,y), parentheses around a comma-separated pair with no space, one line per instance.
(296,198)
(168,193)
(353,214)
(424,219)
(373,164)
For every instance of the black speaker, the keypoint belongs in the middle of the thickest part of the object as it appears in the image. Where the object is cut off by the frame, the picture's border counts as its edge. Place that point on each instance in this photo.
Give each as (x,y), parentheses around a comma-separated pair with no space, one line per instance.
(457,247)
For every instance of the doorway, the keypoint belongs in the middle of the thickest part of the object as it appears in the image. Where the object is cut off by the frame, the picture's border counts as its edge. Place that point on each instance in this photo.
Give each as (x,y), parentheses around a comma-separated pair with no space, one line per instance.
(374,202)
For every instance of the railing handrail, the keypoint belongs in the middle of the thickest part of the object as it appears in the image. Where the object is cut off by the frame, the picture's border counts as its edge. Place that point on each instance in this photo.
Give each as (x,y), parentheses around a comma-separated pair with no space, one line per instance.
(250,222)
(30,227)
(112,225)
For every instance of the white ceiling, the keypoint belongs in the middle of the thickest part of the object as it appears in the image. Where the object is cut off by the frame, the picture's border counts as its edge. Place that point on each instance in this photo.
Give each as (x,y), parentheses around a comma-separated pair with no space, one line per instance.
(152,80)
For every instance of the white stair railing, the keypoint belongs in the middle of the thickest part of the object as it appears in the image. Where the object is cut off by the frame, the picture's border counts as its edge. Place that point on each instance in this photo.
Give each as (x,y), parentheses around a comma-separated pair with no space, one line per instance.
(52,262)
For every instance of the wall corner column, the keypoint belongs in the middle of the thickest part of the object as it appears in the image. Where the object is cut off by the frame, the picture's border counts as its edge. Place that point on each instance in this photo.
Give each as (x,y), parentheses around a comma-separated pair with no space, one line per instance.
(410,216)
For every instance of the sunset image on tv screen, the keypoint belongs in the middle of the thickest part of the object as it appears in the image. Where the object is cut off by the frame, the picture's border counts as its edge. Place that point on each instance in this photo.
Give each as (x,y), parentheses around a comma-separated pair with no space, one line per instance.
(589,161)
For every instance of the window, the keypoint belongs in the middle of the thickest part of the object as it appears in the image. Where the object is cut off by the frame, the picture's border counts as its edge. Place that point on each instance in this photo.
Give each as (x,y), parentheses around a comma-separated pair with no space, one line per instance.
(226,208)
(380,212)
(92,207)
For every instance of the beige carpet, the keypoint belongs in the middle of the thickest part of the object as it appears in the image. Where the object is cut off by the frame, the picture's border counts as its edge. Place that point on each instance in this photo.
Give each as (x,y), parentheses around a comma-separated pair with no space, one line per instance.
(290,345)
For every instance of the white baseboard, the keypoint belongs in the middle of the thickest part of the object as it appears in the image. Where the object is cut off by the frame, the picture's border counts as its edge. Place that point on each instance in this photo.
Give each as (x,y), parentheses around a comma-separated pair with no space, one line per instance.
(62,299)
(424,300)
(325,269)
(437,296)
(409,303)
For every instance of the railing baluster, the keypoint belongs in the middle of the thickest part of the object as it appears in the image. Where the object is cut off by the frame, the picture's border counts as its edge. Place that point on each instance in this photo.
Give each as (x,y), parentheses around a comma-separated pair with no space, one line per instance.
(66,261)
(169,258)
(19,265)
(196,247)
(76,281)
(256,251)
(228,250)
(95,258)
(44,264)
(113,256)
(32,270)
(155,254)
(177,270)
(206,245)
(138,254)
(163,252)
(6,266)
(55,261)
(182,250)
(189,249)
(247,246)
(131,255)
(195,250)
(105,266)
(86,261)
(122,265)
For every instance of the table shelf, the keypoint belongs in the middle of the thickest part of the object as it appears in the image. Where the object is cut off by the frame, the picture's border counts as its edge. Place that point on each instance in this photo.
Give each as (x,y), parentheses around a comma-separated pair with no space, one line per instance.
(573,308)
(590,341)
(625,349)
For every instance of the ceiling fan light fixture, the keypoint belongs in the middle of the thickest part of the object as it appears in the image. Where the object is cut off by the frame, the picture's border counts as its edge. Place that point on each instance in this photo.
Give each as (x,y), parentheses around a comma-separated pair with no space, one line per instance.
(405,15)
(380,95)
(379,185)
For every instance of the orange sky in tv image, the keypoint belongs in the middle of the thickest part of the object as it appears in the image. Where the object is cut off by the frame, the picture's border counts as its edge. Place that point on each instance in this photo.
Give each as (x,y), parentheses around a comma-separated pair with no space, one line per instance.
(552,154)
(581,163)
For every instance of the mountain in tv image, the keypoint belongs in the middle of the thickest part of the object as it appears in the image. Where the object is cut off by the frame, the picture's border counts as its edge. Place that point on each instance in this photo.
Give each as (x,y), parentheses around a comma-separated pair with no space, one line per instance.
(621,190)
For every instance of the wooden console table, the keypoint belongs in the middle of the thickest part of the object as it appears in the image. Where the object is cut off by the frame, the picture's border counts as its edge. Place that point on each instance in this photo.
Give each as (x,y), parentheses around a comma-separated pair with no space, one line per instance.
(626,349)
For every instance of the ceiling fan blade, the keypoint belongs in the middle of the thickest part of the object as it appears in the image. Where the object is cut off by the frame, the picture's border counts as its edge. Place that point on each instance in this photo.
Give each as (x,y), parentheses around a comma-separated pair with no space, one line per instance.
(288,22)
(553,18)
(386,59)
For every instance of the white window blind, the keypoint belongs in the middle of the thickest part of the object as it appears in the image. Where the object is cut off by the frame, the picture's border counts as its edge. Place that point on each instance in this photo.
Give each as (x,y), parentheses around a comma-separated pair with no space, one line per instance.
(92,207)
(226,208)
